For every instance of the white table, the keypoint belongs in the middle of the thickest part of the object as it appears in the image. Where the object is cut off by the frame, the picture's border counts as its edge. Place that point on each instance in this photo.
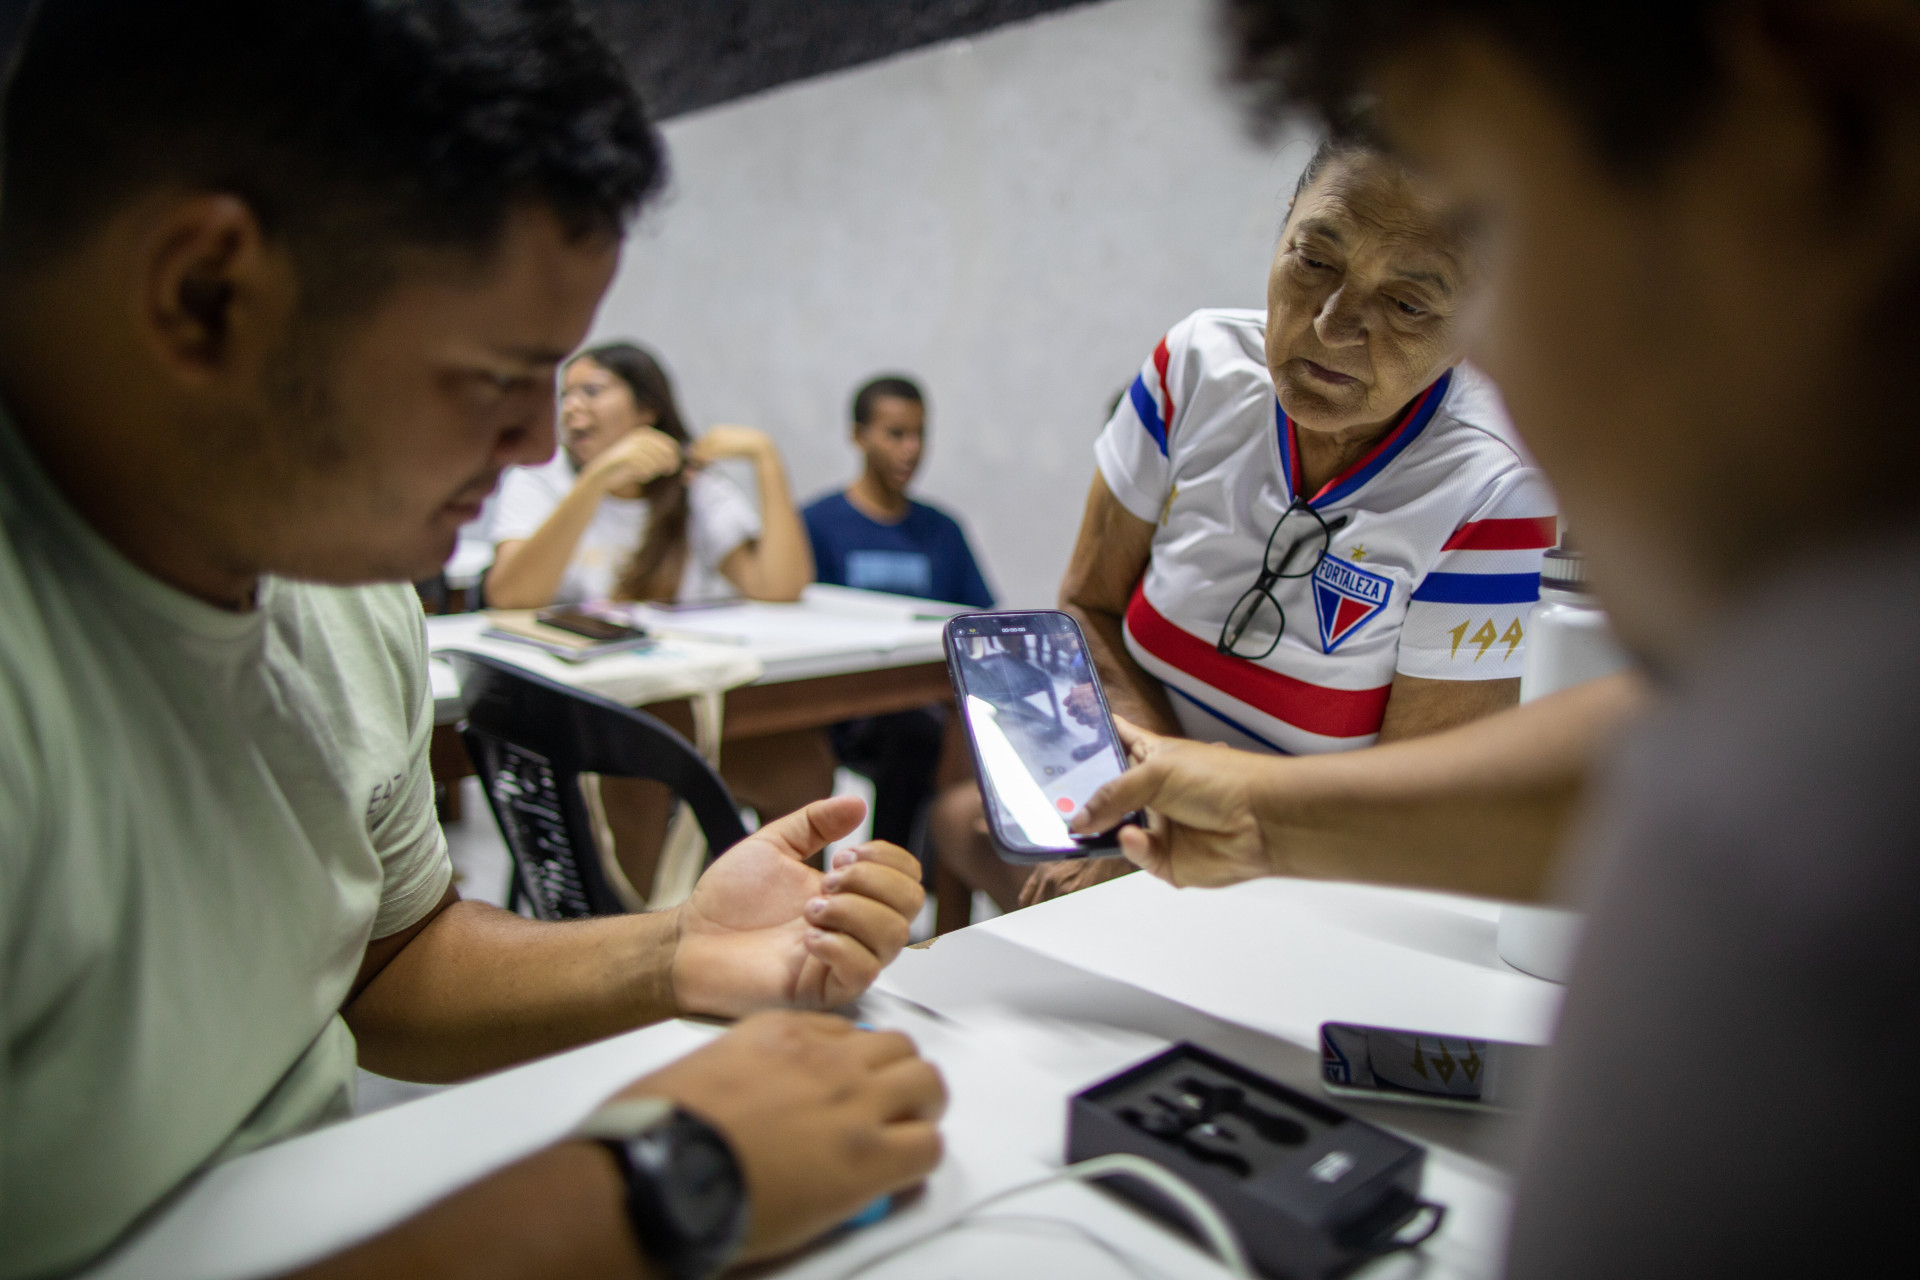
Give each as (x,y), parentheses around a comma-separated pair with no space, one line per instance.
(1016,1027)
(831,631)
(674,668)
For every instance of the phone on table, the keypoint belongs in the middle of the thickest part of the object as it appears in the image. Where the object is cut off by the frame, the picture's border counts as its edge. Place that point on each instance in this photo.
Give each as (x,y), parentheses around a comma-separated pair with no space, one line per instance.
(1384,1064)
(594,627)
(1037,720)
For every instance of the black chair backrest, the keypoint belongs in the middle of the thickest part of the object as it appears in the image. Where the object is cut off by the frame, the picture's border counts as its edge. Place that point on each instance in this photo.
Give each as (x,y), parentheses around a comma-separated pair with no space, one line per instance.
(531,738)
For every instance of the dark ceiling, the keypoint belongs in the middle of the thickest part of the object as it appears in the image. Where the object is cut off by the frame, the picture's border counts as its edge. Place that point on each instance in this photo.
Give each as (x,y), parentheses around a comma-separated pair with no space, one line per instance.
(687,54)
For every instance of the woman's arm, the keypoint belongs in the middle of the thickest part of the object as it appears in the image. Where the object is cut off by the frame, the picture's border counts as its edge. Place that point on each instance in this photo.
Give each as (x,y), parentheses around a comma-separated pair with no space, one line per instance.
(1418,706)
(526,573)
(1477,809)
(1109,559)
(779,563)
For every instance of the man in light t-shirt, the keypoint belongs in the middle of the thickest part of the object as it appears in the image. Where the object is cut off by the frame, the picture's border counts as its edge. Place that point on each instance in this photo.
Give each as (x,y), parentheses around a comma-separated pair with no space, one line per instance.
(268,335)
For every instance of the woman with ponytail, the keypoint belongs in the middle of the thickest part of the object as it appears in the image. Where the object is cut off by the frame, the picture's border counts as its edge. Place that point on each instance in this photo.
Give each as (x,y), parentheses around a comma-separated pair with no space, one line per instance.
(629,509)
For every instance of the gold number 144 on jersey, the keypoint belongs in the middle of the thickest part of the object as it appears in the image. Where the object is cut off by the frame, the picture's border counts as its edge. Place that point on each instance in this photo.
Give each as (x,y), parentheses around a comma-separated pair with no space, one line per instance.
(1486,637)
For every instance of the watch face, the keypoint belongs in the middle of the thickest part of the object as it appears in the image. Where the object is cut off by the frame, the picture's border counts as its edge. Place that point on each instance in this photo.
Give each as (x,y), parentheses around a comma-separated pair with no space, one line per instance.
(686,1195)
(702,1188)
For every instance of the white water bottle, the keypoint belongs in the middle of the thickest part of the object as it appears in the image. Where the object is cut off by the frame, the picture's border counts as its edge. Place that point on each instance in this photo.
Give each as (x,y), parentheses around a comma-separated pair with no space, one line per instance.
(1568,642)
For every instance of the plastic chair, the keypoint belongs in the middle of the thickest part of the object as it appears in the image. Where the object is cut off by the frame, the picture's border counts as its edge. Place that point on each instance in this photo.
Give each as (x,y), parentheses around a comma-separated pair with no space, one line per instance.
(531,738)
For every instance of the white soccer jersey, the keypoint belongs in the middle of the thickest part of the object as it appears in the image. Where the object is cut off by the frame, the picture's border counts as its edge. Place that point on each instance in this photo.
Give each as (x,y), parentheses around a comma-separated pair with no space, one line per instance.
(1432,575)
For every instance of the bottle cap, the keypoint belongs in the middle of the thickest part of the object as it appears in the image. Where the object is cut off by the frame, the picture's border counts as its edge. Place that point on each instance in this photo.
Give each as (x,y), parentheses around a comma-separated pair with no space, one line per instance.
(1563,569)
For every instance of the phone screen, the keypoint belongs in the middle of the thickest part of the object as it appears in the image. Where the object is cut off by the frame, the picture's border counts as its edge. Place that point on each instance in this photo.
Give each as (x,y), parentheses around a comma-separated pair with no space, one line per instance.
(1422,1067)
(1041,732)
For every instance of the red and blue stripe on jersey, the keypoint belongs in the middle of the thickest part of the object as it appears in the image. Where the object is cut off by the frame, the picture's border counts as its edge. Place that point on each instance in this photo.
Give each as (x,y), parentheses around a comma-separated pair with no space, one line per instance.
(1314,708)
(1154,414)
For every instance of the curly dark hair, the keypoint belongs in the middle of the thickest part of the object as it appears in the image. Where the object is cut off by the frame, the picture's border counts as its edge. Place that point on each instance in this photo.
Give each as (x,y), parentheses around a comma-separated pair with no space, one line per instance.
(350,127)
(1636,73)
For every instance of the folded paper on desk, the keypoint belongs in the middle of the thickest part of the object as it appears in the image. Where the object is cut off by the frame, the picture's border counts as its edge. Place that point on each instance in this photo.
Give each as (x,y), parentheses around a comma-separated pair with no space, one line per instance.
(1283,956)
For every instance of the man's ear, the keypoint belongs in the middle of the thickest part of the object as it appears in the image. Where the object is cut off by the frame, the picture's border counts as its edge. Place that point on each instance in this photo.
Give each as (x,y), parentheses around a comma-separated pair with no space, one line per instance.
(215,297)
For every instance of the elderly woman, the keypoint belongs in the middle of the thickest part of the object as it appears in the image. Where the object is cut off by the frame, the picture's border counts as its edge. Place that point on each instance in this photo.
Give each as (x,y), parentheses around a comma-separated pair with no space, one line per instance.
(1310,530)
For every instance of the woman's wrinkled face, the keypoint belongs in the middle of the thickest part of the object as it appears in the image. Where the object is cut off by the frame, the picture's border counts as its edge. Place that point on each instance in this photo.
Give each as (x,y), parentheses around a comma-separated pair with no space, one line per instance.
(1365,296)
(596,409)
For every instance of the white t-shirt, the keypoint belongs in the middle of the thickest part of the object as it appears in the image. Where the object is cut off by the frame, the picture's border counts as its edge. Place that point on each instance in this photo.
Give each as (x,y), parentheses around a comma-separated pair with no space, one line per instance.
(204,817)
(1433,575)
(719,519)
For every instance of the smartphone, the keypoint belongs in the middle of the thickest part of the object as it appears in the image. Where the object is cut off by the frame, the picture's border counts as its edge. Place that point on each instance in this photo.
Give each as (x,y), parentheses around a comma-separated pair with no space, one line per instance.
(1383,1064)
(593,627)
(1037,720)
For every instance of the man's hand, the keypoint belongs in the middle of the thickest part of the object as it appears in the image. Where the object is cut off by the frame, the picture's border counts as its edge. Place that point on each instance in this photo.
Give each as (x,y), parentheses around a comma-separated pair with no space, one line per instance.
(1058,879)
(762,928)
(1199,796)
(823,1118)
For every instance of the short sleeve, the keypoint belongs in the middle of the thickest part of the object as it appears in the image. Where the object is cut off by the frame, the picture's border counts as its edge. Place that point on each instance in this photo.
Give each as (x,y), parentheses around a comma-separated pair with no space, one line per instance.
(720,519)
(1467,618)
(1132,451)
(528,495)
(413,849)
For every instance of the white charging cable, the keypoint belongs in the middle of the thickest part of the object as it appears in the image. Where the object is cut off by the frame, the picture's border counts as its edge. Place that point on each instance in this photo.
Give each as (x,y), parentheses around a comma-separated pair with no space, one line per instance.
(1211,1223)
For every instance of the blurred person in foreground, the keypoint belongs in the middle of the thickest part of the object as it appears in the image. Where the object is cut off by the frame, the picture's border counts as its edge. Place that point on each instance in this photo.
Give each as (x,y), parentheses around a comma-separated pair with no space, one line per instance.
(872,535)
(1310,529)
(1707,223)
(283,290)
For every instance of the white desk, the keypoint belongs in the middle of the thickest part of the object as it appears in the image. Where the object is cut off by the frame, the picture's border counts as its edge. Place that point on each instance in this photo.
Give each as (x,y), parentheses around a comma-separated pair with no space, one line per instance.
(675,668)
(1015,1030)
(831,631)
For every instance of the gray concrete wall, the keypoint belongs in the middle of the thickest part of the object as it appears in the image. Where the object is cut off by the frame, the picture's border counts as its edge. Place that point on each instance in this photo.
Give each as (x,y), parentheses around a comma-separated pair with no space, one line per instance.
(1014,220)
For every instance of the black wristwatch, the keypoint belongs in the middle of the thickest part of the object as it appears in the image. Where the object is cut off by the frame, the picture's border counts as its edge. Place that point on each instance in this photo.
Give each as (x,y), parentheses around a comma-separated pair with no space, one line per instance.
(685,1195)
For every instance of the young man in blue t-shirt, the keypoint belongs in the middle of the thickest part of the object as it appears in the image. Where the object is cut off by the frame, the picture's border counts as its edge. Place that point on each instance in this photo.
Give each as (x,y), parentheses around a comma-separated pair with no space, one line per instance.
(872,535)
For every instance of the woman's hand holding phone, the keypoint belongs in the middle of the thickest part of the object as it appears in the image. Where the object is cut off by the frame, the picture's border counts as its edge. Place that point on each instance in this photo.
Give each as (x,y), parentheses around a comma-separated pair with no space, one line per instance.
(1202,826)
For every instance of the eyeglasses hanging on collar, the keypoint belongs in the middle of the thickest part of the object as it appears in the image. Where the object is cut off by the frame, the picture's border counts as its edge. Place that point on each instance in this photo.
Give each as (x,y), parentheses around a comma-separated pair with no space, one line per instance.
(1295,548)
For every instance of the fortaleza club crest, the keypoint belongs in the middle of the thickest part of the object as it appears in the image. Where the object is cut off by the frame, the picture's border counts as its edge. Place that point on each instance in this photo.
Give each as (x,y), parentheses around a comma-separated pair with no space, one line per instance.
(1345,596)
